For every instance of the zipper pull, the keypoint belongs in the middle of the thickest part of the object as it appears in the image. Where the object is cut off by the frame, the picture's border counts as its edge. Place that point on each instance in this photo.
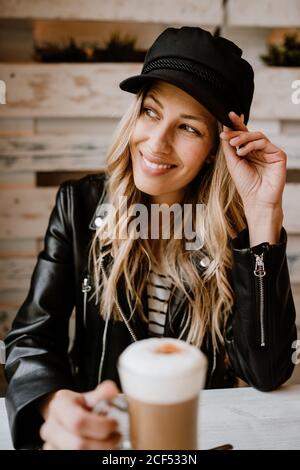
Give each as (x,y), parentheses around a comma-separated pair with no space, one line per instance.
(85,286)
(259,270)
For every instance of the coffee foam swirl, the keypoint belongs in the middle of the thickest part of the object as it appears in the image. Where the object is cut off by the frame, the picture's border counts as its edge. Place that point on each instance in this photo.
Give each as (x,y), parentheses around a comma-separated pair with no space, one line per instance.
(162,370)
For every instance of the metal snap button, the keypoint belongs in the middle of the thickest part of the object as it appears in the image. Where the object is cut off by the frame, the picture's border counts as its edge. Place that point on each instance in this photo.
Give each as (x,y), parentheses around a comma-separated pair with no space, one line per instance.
(205,261)
(98,221)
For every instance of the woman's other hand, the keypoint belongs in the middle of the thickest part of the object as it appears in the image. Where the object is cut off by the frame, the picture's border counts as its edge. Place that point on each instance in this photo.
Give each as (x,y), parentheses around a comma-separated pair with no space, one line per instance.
(70,423)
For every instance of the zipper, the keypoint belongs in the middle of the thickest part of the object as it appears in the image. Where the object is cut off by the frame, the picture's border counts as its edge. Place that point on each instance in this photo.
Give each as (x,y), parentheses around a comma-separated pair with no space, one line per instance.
(106,327)
(126,321)
(120,310)
(213,366)
(259,273)
(85,288)
(103,351)
(105,330)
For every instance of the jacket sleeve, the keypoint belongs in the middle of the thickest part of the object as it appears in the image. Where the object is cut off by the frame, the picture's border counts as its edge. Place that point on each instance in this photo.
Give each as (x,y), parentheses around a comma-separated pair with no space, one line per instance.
(37,345)
(260,335)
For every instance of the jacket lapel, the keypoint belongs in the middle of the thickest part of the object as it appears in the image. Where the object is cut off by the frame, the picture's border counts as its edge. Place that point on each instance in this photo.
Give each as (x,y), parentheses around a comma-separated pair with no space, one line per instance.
(176,311)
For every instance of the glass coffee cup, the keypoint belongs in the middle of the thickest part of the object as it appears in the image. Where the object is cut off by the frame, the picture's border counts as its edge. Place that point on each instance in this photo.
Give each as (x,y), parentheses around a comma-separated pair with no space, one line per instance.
(161,379)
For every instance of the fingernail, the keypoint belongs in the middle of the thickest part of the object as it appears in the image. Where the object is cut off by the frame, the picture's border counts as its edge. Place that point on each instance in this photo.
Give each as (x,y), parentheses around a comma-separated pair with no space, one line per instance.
(102,407)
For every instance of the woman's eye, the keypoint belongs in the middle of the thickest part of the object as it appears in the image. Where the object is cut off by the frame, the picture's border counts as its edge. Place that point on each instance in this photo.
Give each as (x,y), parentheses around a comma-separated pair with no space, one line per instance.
(148,112)
(190,129)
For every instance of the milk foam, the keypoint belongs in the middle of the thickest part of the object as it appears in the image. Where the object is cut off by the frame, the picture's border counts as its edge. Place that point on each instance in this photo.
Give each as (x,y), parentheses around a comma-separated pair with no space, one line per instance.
(162,370)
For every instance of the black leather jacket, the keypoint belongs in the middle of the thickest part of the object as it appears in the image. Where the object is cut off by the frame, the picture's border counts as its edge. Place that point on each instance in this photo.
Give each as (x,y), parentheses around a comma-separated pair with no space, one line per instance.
(258,340)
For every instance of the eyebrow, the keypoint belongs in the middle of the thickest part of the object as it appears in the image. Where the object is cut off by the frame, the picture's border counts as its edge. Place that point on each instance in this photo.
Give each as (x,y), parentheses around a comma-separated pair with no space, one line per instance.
(184,116)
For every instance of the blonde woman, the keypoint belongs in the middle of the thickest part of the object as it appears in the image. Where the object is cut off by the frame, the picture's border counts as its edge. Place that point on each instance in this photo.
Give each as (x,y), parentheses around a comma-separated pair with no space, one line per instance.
(222,286)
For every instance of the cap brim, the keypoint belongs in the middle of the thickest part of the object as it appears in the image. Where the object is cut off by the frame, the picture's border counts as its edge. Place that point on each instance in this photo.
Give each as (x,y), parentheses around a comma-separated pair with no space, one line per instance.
(198,89)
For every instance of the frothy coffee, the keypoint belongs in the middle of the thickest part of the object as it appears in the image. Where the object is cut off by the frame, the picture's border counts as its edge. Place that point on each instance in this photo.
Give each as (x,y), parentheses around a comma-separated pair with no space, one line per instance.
(161,378)
(167,426)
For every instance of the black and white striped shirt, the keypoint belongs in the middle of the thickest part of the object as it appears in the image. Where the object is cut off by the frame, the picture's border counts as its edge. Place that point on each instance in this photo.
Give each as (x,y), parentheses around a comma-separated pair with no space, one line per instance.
(158,292)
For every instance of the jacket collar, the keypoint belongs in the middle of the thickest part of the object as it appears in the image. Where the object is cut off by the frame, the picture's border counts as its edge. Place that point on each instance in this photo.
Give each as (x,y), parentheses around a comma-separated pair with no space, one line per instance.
(176,301)
(99,215)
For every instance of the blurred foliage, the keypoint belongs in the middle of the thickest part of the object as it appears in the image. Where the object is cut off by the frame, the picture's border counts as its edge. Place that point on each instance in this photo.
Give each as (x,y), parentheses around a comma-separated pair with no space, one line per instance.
(286,54)
(116,49)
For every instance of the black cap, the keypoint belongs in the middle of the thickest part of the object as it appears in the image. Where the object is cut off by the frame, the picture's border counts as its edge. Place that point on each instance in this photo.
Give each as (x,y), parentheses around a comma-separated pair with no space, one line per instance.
(208,68)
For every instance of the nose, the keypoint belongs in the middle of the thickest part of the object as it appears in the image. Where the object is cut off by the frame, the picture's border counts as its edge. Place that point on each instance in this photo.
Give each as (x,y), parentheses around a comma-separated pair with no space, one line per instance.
(160,139)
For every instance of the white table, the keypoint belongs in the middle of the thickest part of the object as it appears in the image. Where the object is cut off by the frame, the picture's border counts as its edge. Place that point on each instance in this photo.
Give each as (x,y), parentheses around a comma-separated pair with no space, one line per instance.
(5,440)
(243,417)
(249,419)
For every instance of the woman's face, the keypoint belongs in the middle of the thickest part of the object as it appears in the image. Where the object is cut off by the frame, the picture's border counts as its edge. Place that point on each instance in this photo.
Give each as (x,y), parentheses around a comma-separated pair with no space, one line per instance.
(172,138)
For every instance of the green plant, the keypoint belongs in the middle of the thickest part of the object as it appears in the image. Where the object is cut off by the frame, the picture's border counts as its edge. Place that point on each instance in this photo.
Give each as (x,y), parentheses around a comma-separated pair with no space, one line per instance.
(48,52)
(117,45)
(286,54)
(119,49)
(116,49)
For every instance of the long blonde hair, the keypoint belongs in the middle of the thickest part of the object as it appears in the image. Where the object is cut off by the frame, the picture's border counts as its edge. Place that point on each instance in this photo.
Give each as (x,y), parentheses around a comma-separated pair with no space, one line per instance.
(209,297)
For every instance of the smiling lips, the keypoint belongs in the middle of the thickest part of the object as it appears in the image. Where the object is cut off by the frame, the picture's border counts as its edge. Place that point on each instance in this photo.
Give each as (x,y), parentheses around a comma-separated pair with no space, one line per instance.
(151,165)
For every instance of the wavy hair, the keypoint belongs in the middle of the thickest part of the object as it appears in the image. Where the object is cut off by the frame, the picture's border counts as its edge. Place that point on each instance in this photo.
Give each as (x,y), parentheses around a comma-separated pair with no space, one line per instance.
(209,297)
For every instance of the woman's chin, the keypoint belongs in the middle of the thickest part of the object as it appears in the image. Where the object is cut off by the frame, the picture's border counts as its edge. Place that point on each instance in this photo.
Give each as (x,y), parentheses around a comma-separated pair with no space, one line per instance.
(148,187)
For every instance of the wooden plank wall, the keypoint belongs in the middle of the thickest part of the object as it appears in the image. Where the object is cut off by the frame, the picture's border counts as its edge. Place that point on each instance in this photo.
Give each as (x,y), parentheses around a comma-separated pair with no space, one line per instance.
(142,11)
(60,118)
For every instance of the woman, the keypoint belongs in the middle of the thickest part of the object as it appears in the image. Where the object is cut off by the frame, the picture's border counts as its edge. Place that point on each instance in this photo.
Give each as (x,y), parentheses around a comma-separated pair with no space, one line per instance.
(183,142)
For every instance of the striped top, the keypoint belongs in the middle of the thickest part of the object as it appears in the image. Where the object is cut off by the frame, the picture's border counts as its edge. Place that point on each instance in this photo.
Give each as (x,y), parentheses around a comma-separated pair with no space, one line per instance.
(158,293)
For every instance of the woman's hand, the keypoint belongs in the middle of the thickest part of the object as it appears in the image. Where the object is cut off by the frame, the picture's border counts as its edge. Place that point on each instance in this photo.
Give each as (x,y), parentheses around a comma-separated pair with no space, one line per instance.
(71,424)
(258,168)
